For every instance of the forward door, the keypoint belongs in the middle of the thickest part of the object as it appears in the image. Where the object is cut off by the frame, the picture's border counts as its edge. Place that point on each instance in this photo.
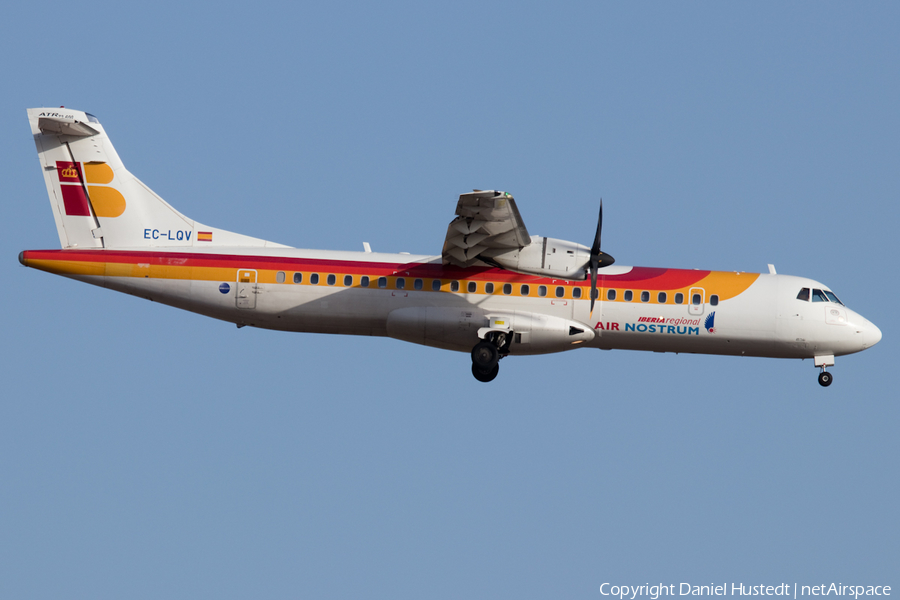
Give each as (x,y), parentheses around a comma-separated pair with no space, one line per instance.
(247,289)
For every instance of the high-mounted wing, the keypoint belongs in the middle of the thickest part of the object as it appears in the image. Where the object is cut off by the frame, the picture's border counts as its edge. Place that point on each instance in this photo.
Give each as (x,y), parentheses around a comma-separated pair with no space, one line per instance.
(488,231)
(486,221)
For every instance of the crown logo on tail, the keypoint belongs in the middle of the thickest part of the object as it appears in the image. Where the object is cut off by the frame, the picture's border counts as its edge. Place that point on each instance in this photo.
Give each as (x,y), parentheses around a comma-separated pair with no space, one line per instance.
(70,172)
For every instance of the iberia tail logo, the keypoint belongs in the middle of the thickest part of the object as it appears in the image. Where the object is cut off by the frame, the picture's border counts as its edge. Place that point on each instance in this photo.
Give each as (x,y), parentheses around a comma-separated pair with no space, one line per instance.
(106,200)
(710,322)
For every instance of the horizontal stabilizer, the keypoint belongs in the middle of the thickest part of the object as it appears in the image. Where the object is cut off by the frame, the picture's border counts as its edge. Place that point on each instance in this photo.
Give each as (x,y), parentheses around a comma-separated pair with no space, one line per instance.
(65,126)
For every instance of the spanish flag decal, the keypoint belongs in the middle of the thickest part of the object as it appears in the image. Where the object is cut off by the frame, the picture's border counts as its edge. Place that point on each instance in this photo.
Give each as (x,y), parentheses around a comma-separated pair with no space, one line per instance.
(204,236)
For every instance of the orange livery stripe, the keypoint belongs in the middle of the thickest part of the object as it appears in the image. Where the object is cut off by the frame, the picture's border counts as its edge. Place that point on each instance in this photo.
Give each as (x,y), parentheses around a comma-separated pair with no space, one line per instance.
(223,267)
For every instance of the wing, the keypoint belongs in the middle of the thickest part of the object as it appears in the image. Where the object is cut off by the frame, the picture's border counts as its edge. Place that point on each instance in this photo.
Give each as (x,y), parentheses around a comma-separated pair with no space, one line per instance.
(486,221)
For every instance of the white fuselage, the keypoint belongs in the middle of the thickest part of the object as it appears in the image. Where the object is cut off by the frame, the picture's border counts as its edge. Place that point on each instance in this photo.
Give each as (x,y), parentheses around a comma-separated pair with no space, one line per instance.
(753,314)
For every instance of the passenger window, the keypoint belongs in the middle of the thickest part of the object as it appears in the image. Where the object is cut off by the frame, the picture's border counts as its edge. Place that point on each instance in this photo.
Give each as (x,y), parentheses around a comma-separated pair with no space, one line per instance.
(364,281)
(507,288)
(489,288)
(298,277)
(679,298)
(610,294)
(542,290)
(645,296)
(560,291)
(628,296)
(382,282)
(576,292)
(331,279)
(348,280)
(525,290)
(695,300)
(454,286)
(436,285)
(472,287)
(279,277)
(803,295)
(661,297)
(832,297)
(819,296)
(418,283)
(314,279)
(401,283)
(595,293)
(714,300)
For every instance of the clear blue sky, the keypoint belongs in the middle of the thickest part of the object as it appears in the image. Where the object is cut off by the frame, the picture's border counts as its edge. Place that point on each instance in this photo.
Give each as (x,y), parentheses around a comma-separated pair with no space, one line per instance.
(148,453)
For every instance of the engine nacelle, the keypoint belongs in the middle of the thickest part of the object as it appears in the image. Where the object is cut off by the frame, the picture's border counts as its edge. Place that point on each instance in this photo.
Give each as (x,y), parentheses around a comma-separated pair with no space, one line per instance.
(439,327)
(546,257)
(460,329)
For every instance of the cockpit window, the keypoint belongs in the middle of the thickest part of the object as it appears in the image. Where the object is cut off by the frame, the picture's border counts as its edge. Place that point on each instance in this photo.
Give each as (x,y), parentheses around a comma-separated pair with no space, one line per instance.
(803,295)
(832,297)
(819,296)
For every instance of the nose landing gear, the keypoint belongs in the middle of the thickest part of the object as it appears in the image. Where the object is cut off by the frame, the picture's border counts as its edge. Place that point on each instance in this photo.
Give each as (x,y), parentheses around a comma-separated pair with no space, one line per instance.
(823,362)
(486,356)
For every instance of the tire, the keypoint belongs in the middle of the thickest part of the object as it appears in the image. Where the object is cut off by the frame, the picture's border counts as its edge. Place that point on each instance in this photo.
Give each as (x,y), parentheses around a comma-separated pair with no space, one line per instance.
(485,356)
(825,378)
(485,376)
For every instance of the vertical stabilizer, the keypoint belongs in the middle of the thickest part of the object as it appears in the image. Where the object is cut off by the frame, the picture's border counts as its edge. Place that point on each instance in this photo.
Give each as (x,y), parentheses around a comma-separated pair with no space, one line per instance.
(97,202)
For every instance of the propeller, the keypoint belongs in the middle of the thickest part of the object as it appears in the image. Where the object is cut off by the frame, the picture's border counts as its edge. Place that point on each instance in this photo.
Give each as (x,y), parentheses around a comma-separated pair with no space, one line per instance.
(598,259)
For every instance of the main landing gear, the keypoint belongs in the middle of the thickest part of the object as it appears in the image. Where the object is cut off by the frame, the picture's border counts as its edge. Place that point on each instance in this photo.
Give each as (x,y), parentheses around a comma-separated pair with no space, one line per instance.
(825,378)
(487,353)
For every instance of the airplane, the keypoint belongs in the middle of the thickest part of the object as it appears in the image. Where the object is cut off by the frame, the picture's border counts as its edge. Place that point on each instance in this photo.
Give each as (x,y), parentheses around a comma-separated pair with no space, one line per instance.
(494,291)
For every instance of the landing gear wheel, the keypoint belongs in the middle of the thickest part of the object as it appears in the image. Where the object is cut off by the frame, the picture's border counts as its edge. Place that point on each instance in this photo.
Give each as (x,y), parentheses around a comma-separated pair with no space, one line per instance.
(825,378)
(485,356)
(485,376)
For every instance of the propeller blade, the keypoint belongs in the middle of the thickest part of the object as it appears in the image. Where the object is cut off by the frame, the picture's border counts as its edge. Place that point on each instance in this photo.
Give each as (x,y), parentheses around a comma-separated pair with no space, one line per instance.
(595,248)
(596,260)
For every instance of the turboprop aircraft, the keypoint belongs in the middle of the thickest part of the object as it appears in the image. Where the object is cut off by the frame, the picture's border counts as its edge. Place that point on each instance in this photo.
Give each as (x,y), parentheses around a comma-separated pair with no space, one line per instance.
(494,291)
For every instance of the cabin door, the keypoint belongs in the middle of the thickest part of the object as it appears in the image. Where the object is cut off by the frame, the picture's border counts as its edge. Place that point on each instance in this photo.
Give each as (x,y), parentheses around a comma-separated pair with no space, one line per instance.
(696,300)
(246,288)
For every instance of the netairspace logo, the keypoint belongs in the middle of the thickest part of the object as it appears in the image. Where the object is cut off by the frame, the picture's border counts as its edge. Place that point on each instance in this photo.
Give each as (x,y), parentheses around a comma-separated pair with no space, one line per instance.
(654,592)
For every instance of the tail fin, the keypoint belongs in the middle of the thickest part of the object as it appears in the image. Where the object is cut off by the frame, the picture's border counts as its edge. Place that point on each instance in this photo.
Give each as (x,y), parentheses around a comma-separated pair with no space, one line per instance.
(97,203)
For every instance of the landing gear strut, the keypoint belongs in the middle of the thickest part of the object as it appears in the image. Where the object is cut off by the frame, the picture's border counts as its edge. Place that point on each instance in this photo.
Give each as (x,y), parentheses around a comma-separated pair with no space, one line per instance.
(487,354)
(825,378)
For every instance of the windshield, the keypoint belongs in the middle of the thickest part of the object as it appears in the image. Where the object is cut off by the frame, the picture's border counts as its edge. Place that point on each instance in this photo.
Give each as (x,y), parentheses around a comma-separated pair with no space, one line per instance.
(832,297)
(816,295)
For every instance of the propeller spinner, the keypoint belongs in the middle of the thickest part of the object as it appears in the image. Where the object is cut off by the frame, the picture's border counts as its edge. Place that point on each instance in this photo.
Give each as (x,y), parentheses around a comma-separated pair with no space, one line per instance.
(598,258)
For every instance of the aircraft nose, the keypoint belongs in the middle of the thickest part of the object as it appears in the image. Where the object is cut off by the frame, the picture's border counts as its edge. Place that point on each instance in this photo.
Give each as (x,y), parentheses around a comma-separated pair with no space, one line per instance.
(871,334)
